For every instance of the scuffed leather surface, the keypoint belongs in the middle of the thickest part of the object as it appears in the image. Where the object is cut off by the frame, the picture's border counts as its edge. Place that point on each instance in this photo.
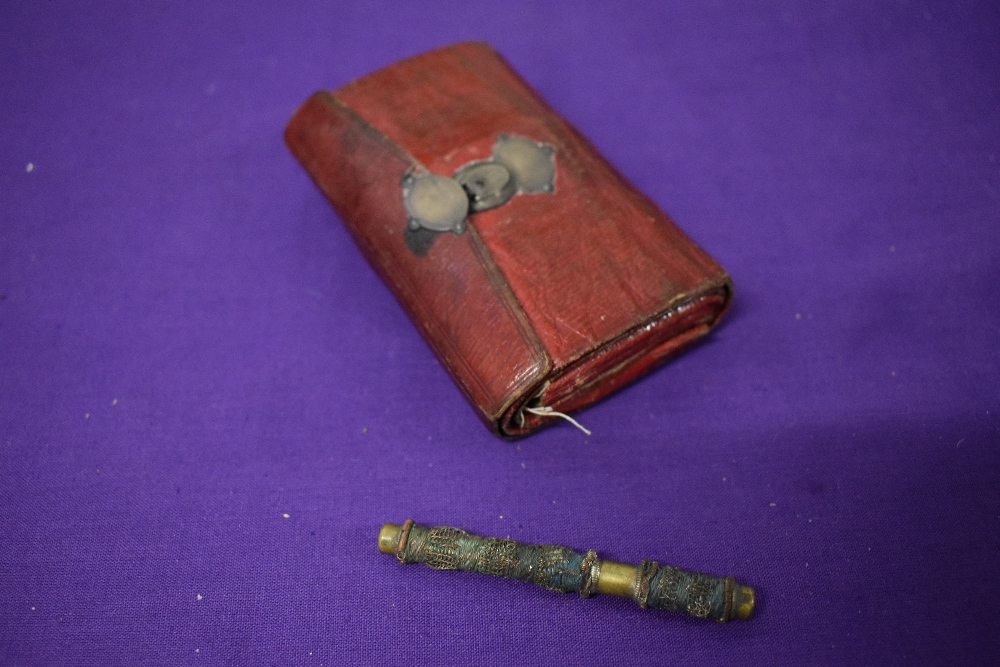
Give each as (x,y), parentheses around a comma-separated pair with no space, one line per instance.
(454,291)
(598,274)
(192,348)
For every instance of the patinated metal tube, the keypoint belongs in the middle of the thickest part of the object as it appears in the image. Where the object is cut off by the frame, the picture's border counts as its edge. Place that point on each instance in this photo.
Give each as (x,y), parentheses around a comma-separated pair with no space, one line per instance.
(562,569)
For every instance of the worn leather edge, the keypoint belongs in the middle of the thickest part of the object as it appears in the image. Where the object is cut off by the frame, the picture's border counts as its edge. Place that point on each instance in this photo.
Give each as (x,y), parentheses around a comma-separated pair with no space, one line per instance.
(504,421)
(430,330)
(516,422)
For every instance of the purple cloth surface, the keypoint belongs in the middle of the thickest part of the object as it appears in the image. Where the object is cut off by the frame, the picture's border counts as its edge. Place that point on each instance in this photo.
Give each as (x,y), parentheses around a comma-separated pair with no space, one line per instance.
(209,403)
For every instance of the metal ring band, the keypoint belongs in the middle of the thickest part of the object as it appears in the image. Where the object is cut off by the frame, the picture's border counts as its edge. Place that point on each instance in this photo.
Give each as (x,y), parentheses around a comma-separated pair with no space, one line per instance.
(595,577)
(590,569)
(728,608)
(643,578)
(404,536)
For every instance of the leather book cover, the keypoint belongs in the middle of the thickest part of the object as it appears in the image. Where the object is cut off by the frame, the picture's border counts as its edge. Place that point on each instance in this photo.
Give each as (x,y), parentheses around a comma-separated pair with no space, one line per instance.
(541,278)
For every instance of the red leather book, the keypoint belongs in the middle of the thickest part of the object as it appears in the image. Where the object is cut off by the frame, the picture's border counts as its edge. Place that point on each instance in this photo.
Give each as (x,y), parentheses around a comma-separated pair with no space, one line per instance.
(540,277)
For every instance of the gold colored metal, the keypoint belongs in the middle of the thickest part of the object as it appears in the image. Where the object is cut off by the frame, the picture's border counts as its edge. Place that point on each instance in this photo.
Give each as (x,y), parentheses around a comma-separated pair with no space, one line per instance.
(617,579)
(744,601)
(388,538)
(664,587)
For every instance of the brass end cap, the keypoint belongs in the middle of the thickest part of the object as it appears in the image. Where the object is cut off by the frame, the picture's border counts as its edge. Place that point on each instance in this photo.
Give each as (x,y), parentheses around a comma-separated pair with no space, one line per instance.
(743,602)
(388,538)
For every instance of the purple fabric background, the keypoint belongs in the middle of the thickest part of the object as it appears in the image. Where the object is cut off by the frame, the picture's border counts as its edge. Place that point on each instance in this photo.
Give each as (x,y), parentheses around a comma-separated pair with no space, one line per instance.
(191,347)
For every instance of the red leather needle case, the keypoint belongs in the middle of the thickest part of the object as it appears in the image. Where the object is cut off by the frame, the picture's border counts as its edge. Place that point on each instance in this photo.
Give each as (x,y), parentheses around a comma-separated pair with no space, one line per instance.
(537,273)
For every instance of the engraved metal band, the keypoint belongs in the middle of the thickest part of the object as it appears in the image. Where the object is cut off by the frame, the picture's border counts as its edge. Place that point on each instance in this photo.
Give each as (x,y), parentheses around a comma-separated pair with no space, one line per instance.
(404,536)
(643,578)
(590,568)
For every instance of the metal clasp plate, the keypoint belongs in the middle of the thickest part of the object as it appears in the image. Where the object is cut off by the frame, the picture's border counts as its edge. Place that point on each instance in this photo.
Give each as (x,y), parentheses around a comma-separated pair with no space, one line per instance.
(437,204)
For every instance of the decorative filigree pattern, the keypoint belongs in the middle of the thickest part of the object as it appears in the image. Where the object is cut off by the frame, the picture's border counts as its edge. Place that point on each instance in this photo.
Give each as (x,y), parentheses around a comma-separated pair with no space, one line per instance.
(564,570)
(699,596)
(667,589)
(548,564)
(442,548)
(497,557)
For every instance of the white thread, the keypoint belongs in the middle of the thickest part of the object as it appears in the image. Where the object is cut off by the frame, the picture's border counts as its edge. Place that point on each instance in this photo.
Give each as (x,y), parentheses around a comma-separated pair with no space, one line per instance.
(546,411)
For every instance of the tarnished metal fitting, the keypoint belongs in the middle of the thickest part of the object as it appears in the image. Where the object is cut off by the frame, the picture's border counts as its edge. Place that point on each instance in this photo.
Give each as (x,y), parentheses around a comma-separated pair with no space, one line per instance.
(562,569)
